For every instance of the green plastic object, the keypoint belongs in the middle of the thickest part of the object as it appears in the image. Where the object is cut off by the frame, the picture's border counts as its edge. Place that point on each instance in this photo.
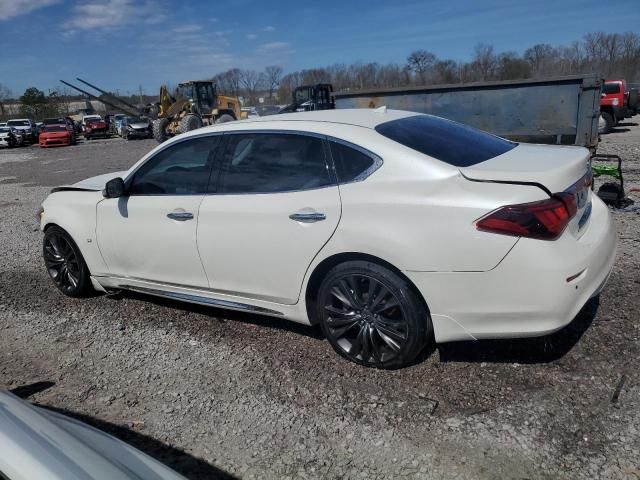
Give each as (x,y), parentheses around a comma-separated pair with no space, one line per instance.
(606,170)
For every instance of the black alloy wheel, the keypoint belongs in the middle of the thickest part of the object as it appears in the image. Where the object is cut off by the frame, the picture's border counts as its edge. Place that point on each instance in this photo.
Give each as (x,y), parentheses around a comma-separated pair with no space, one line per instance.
(372,316)
(64,263)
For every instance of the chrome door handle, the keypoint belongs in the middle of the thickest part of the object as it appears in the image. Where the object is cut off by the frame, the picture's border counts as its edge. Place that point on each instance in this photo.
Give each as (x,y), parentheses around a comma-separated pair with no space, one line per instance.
(180,216)
(308,217)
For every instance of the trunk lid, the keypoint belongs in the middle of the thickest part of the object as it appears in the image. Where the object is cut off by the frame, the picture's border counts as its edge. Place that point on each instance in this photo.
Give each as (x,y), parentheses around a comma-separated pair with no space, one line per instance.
(554,168)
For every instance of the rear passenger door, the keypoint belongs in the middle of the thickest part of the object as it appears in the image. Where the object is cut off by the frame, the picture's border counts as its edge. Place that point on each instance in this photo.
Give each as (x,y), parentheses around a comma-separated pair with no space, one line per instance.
(273,206)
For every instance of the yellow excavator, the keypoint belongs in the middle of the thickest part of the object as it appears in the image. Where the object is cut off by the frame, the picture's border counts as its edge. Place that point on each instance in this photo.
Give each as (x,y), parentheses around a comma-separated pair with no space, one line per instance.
(193,105)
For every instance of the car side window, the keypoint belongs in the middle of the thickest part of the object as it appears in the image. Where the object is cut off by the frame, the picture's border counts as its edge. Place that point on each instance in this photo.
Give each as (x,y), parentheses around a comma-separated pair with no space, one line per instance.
(351,164)
(181,169)
(273,162)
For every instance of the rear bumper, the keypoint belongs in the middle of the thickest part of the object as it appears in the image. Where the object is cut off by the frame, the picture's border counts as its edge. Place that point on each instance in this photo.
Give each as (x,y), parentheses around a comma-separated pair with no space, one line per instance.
(527,294)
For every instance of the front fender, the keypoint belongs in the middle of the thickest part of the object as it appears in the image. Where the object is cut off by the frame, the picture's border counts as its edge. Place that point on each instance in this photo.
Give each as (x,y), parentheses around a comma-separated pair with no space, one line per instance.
(75,212)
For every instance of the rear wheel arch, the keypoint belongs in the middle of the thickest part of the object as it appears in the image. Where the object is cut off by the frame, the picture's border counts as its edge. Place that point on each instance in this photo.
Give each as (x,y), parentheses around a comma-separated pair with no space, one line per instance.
(322,269)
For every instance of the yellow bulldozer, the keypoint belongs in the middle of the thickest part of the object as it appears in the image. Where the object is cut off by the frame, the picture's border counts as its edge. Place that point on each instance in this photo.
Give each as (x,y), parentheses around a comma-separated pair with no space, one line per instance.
(193,105)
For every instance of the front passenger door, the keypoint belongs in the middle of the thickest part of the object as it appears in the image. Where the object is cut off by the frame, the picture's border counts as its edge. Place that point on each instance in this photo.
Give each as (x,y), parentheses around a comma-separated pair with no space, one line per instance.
(150,234)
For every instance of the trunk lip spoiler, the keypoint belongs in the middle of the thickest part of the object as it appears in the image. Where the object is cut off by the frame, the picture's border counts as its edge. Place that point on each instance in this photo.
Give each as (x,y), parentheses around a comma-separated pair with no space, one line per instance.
(510,182)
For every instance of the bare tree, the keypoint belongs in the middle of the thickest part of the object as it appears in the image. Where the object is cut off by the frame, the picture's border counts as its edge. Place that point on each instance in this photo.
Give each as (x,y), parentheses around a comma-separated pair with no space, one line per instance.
(541,57)
(510,66)
(484,61)
(420,62)
(273,74)
(446,71)
(229,81)
(251,81)
(5,94)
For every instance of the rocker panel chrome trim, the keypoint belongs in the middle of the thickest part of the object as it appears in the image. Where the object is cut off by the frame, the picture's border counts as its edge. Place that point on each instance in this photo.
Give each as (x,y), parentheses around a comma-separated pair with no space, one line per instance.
(185,297)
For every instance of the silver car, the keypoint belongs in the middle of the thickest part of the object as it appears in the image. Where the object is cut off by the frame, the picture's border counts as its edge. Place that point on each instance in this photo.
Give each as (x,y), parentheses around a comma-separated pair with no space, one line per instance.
(40,444)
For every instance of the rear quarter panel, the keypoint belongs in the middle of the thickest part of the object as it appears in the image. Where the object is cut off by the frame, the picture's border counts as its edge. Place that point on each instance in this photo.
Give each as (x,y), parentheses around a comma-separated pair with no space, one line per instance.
(419,214)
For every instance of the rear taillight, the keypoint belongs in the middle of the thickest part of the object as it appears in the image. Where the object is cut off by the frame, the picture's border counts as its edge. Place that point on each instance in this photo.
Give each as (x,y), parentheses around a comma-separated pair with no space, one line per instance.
(544,220)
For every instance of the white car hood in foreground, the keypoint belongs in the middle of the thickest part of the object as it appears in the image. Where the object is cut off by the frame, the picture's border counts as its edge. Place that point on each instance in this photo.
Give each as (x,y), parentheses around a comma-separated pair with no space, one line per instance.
(98,182)
(39,444)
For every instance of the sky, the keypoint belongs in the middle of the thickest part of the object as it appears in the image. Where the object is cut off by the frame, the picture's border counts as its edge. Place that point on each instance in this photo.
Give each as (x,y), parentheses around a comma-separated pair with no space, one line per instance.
(127,44)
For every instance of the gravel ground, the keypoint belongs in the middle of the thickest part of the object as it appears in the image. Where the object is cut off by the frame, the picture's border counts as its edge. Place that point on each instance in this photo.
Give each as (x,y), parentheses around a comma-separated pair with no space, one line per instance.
(215,394)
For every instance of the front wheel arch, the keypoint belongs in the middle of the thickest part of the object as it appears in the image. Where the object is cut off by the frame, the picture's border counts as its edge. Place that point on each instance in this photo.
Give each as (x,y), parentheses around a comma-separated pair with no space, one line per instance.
(321,270)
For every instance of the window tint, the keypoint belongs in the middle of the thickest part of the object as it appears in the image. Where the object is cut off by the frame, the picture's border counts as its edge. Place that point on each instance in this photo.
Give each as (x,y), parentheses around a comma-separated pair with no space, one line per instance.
(273,162)
(611,88)
(448,141)
(181,169)
(351,164)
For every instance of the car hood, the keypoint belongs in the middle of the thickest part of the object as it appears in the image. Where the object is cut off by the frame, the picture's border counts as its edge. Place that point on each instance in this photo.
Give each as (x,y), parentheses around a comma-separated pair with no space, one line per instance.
(56,134)
(98,182)
(38,443)
(139,125)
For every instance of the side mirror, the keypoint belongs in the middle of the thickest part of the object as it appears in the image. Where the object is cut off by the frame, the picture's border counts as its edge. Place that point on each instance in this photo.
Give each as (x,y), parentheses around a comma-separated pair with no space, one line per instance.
(114,188)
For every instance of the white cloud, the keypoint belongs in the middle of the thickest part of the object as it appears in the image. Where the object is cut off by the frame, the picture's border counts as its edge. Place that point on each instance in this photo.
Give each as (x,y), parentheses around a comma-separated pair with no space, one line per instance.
(252,36)
(14,8)
(187,28)
(112,14)
(273,47)
(269,28)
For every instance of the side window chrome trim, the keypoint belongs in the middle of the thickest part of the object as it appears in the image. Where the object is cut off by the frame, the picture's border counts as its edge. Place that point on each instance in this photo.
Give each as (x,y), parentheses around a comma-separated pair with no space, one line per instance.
(275,131)
(377,160)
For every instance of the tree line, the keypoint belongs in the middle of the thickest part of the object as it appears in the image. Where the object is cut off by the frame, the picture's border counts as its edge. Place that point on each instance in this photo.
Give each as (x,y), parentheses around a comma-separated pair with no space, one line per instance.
(613,55)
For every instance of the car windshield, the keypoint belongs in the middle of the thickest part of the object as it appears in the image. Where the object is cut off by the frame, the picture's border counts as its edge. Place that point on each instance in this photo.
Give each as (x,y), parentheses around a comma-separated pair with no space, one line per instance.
(134,120)
(611,88)
(445,140)
(55,128)
(5,129)
(18,123)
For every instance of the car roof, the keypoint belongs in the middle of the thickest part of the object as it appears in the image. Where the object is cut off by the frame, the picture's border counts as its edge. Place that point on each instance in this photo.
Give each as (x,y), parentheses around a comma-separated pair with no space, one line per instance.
(360,117)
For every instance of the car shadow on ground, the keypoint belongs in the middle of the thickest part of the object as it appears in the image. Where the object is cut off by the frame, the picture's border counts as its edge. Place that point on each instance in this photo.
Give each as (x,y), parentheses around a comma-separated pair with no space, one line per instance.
(176,459)
(223,315)
(543,349)
(627,124)
(523,350)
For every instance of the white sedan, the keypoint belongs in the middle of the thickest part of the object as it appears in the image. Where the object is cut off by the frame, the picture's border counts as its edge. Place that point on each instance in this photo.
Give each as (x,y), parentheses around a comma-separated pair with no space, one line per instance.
(390,229)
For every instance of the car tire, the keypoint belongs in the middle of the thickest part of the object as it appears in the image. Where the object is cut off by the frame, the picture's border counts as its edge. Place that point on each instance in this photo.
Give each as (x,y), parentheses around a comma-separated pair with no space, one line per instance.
(608,122)
(224,118)
(159,127)
(64,263)
(372,316)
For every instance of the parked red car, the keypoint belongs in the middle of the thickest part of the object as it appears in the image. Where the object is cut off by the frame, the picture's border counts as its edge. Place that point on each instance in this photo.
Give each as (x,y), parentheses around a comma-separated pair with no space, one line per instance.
(55,135)
(66,121)
(95,127)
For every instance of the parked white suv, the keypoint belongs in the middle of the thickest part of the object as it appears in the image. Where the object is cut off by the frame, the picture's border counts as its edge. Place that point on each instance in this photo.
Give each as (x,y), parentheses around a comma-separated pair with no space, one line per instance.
(26,127)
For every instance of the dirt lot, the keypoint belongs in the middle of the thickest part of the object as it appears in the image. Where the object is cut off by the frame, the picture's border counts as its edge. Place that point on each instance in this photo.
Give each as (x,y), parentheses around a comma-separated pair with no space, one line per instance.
(219,395)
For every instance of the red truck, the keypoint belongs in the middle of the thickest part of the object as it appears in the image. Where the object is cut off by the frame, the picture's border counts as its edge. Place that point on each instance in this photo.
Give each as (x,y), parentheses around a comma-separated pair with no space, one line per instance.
(616,103)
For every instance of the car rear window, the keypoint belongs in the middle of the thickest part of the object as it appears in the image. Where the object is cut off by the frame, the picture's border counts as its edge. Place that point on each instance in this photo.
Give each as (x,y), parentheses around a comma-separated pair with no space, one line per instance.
(447,141)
